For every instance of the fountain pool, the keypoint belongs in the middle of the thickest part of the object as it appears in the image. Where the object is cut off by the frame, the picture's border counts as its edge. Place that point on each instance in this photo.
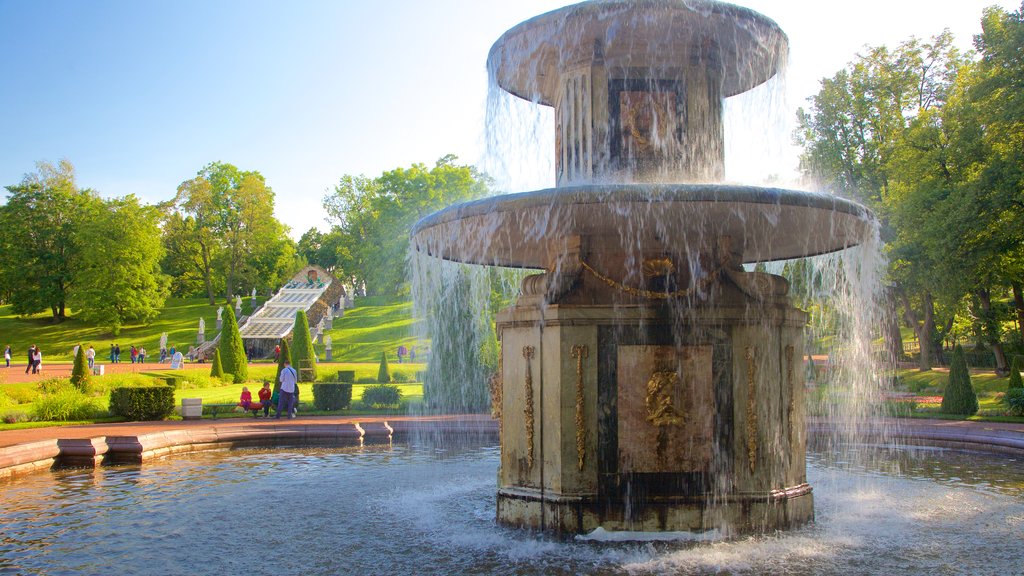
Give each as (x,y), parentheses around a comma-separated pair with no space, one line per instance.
(424,508)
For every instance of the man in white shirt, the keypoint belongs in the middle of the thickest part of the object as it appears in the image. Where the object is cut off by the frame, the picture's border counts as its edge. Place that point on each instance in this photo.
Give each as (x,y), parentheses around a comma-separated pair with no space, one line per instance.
(286,395)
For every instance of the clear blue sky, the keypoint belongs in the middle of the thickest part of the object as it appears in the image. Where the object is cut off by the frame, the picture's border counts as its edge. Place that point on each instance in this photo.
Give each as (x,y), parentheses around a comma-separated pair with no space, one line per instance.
(140,95)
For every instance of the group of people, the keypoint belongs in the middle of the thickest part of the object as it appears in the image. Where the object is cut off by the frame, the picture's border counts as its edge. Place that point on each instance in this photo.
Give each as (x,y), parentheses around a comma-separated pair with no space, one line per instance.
(35,359)
(137,354)
(287,395)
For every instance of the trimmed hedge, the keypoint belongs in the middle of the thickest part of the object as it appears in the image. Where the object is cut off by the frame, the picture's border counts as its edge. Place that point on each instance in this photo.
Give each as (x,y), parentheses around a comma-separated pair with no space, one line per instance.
(383,373)
(382,396)
(347,376)
(1015,379)
(332,395)
(959,396)
(142,403)
(1014,401)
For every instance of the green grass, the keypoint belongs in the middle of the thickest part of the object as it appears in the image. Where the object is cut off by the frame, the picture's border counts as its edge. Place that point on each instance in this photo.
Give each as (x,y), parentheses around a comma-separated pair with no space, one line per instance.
(375,325)
(987,385)
(179,318)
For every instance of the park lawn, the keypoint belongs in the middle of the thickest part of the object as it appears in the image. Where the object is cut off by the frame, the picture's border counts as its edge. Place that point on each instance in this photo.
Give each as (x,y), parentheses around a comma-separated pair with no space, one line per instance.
(374,325)
(986,384)
(179,318)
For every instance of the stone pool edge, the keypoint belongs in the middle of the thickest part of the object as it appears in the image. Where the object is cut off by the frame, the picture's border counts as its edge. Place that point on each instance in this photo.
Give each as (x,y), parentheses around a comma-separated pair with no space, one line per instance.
(75,447)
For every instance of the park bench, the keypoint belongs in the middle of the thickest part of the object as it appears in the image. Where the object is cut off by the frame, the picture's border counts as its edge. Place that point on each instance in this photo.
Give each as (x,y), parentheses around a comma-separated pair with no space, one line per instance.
(215,409)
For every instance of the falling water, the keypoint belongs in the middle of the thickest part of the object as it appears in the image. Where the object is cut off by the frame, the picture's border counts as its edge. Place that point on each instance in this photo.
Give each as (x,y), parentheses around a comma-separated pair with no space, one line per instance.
(658,252)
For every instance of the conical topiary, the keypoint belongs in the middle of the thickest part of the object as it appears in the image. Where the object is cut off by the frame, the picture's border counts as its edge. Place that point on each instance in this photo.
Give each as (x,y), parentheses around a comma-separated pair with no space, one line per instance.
(80,374)
(383,374)
(232,350)
(303,354)
(959,397)
(217,368)
(1015,379)
(284,356)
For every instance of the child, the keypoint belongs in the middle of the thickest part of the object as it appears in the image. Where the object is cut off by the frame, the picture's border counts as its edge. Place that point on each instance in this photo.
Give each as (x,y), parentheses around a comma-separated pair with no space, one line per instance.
(245,401)
(265,394)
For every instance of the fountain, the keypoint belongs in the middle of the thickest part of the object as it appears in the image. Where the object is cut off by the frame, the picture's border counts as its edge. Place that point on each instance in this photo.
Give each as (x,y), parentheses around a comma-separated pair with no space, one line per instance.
(648,380)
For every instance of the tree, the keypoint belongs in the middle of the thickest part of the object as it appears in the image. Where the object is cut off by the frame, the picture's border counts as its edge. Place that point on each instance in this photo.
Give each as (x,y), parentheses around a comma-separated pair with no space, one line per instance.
(80,375)
(234,235)
(117,274)
(232,349)
(37,235)
(959,396)
(374,217)
(216,367)
(383,374)
(302,348)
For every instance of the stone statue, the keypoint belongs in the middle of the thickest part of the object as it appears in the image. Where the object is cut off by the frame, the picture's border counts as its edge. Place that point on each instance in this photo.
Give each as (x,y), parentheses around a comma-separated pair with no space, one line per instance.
(220,310)
(327,342)
(254,292)
(202,326)
(238,304)
(163,341)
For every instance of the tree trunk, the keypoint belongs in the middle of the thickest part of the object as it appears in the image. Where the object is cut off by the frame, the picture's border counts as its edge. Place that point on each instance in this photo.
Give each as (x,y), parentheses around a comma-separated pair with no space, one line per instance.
(927,329)
(991,328)
(893,337)
(1018,302)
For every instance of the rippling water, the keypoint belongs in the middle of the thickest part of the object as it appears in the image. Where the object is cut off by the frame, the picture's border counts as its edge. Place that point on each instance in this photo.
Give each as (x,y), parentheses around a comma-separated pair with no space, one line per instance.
(426,510)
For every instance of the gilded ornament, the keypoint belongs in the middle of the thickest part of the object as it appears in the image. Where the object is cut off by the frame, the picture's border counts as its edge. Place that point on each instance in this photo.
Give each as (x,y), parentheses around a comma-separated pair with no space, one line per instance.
(580,353)
(528,352)
(751,409)
(660,402)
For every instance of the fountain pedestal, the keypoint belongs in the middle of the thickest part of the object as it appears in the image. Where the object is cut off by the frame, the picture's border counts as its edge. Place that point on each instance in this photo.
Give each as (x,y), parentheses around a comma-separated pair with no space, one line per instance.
(653,417)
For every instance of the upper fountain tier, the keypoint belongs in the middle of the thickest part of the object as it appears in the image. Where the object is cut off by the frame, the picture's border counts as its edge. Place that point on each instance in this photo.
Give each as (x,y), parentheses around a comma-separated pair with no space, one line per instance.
(637,86)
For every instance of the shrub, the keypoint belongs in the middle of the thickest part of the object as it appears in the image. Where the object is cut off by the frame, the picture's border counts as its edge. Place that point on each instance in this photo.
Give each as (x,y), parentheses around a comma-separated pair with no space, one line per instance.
(1014,401)
(142,403)
(366,380)
(67,404)
(54,385)
(232,349)
(346,376)
(401,378)
(303,354)
(216,367)
(383,375)
(15,417)
(20,395)
(382,396)
(1015,379)
(227,379)
(959,396)
(80,373)
(332,395)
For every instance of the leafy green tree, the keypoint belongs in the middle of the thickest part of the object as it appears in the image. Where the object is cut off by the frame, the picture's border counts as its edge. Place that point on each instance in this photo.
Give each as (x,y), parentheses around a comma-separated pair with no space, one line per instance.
(303,352)
(183,257)
(117,272)
(234,234)
(80,375)
(37,236)
(383,374)
(216,367)
(232,349)
(959,396)
(284,356)
(374,217)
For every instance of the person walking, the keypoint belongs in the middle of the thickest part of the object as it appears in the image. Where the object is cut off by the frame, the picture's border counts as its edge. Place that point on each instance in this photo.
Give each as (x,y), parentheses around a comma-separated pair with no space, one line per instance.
(117,354)
(142,354)
(286,394)
(90,355)
(31,358)
(7,355)
(37,361)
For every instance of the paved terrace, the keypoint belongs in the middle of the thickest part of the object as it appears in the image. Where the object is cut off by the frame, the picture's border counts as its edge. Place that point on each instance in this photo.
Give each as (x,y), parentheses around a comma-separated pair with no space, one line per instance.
(28,450)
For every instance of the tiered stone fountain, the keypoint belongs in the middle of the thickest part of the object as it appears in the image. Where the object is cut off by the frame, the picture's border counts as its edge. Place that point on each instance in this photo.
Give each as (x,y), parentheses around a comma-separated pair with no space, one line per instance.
(648,381)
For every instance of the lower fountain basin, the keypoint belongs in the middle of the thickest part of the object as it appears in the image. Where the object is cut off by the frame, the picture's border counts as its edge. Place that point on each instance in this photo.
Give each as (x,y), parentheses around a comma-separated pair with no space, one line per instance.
(527,230)
(428,508)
